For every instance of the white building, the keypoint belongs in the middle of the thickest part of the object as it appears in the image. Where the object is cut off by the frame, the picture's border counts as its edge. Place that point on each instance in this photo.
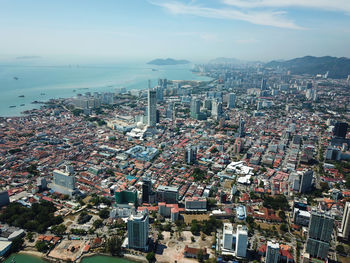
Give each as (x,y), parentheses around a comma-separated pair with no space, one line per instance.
(63,183)
(138,229)
(228,237)
(241,241)
(344,230)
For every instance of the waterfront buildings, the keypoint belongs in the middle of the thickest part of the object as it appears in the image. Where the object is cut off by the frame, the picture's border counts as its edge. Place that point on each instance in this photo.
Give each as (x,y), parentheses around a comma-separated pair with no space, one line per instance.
(138,229)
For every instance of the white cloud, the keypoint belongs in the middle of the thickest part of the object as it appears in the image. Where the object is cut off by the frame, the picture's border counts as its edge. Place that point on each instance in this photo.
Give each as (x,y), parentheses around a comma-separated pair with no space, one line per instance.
(329,5)
(266,18)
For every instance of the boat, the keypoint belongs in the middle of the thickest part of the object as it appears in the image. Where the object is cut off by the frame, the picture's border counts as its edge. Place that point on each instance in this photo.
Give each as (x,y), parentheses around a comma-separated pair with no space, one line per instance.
(22,105)
(153,69)
(74,90)
(15,78)
(21,96)
(12,106)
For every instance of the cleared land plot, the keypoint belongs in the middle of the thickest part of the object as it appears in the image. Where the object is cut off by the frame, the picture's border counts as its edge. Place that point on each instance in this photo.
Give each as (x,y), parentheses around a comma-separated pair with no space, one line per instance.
(189,217)
(68,250)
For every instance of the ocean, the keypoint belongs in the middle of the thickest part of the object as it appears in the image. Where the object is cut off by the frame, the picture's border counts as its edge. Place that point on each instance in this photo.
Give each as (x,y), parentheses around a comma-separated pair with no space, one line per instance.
(21,258)
(22,82)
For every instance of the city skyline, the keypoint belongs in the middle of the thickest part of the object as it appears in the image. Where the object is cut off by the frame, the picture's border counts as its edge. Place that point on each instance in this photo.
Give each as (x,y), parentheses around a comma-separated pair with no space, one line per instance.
(195,30)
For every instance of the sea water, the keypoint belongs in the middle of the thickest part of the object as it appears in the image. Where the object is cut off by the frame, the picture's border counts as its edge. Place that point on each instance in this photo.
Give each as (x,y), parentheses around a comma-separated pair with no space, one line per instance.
(22,82)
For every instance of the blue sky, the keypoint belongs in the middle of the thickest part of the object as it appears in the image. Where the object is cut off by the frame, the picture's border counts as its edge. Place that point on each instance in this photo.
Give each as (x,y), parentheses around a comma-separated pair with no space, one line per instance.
(195,30)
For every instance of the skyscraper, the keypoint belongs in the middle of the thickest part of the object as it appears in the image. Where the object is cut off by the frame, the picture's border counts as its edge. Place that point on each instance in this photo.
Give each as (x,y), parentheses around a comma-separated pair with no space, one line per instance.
(241,128)
(190,155)
(195,107)
(272,252)
(4,198)
(146,189)
(216,110)
(340,129)
(138,229)
(241,241)
(345,223)
(306,181)
(320,232)
(152,108)
(231,101)
(263,84)
(63,183)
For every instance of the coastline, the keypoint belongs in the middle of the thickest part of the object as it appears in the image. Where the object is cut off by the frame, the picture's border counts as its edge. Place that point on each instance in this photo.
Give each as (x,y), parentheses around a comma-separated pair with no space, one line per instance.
(44,257)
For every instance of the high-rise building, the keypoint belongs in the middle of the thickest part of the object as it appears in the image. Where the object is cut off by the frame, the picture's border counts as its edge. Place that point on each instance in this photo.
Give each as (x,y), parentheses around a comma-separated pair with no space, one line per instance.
(138,229)
(146,189)
(190,155)
(152,108)
(241,241)
(241,128)
(320,232)
(195,107)
(160,93)
(125,196)
(63,183)
(306,181)
(216,110)
(4,198)
(272,252)
(231,101)
(263,84)
(340,129)
(228,236)
(167,194)
(344,230)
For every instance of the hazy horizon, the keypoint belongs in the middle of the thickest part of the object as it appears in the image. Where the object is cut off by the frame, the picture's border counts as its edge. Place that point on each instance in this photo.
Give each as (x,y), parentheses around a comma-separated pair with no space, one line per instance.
(142,30)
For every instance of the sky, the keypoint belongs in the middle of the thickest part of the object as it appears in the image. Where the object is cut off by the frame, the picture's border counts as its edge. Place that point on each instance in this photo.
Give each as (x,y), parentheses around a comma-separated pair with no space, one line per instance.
(197,30)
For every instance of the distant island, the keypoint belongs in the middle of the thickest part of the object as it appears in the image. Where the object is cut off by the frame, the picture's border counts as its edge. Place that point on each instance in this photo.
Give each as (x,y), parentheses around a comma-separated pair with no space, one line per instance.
(28,57)
(337,67)
(168,61)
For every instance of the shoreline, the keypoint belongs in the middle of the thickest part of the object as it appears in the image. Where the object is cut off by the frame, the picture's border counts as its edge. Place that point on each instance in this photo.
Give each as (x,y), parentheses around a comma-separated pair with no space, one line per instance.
(44,257)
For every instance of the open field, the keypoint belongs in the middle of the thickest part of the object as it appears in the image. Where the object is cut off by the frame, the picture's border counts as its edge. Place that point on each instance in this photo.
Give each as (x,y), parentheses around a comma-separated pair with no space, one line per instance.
(201,217)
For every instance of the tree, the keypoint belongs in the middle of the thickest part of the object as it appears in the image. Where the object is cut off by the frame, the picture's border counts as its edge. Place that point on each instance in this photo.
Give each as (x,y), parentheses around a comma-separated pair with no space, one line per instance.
(114,246)
(17,245)
(200,256)
(30,236)
(59,229)
(151,257)
(97,223)
(340,249)
(104,213)
(282,215)
(41,246)
(284,228)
